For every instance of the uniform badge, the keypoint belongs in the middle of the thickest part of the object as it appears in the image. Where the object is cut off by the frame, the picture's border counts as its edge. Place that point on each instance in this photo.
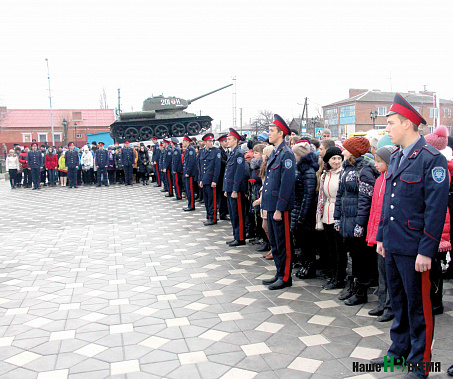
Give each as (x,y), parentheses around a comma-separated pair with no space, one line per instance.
(175,153)
(438,174)
(190,152)
(288,163)
(240,160)
(169,153)
(218,155)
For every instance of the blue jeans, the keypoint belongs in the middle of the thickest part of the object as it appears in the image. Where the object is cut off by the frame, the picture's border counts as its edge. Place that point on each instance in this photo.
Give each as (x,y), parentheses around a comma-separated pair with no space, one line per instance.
(51,175)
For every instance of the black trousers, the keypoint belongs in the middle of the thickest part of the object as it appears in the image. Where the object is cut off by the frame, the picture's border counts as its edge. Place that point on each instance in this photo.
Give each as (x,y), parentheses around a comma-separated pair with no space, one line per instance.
(177,179)
(102,174)
(35,176)
(27,178)
(280,239)
(236,207)
(13,177)
(120,176)
(364,264)
(128,174)
(169,182)
(111,176)
(157,174)
(210,202)
(72,176)
(336,254)
(190,193)
(43,174)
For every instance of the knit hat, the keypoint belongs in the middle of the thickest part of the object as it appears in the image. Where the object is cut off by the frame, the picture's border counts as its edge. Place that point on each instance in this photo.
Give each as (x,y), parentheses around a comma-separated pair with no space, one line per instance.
(301,148)
(263,136)
(439,138)
(357,146)
(373,142)
(331,152)
(268,150)
(385,152)
(244,148)
(385,141)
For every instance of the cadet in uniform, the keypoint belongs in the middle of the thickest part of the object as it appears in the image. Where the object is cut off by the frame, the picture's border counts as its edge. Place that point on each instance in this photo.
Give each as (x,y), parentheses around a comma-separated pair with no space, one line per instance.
(209,177)
(412,219)
(128,157)
(163,177)
(278,200)
(156,162)
(176,168)
(190,172)
(166,168)
(234,188)
(102,161)
(35,163)
(72,163)
(222,202)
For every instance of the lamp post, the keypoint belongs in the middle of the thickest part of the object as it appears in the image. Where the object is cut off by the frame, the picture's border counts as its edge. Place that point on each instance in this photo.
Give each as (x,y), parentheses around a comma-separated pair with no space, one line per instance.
(75,133)
(65,131)
(373,116)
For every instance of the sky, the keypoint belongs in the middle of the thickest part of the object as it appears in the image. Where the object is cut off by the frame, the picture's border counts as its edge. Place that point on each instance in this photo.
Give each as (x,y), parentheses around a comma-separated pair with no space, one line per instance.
(279,52)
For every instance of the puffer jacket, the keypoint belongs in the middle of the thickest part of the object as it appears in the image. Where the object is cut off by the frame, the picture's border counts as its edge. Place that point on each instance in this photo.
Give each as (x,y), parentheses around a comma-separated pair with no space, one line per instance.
(327,197)
(143,161)
(376,208)
(353,203)
(303,213)
(23,159)
(445,242)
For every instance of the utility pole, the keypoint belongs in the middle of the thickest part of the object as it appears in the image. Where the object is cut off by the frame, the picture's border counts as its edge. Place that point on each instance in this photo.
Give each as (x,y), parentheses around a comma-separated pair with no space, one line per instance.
(306,113)
(50,102)
(240,113)
(234,102)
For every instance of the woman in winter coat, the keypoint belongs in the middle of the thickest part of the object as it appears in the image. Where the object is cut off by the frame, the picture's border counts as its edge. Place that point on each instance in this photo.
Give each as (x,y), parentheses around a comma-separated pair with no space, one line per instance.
(328,188)
(63,170)
(111,165)
(352,209)
(87,162)
(143,165)
(12,165)
(304,211)
(119,167)
(51,164)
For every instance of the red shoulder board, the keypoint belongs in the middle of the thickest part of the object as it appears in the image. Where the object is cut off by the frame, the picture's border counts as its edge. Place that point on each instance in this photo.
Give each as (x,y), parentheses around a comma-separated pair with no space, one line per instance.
(414,154)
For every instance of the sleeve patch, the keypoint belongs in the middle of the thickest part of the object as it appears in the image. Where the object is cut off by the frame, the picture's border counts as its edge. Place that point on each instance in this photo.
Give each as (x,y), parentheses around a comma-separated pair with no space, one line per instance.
(288,163)
(190,152)
(218,155)
(439,174)
(240,160)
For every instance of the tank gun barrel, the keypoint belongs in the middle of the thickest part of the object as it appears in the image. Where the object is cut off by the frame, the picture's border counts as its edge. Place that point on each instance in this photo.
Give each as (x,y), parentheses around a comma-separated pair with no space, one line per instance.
(209,93)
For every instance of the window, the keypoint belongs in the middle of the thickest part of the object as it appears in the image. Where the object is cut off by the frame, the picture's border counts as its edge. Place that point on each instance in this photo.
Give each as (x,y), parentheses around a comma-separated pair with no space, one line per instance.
(77,116)
(42,137)
(381,111)
(78,135)
(334,130)
(26,137)
(433,112)
(57,137)
(331,116)
(347,111)
(447,112)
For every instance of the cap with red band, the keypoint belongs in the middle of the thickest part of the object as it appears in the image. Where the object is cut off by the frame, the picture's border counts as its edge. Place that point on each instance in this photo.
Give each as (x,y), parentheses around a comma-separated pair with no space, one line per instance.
(402,107)
(278,121)
(235,134)
(208,137)
(126,142)
(166,140)
(154,138)
(71,144)
(222,138)
(187,138)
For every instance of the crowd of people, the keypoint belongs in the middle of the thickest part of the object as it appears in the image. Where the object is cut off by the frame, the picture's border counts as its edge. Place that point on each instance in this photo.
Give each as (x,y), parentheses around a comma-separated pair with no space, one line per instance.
(306,204)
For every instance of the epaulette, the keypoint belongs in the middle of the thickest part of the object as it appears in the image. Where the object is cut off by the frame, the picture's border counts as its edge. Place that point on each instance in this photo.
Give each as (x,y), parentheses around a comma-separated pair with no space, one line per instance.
(397,149)
(431,149)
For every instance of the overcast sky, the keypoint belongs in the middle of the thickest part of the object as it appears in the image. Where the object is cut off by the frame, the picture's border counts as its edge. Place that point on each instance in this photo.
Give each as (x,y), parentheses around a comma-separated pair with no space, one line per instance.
(279,51)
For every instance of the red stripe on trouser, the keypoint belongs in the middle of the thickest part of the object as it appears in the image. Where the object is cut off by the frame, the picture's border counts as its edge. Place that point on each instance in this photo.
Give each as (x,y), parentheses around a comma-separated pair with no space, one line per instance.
(191,193)
(241,220)
(170,186)
(428,313)
(214,194)
(288,246)
(158,175)
(177,185)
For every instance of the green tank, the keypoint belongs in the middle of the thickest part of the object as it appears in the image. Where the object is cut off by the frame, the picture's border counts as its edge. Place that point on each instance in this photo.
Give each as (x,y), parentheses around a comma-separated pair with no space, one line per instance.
(161,117)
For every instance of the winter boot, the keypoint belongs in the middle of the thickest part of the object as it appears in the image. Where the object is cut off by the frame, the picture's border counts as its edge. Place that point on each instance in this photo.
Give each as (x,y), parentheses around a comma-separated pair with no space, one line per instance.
(360,295)
(349,289)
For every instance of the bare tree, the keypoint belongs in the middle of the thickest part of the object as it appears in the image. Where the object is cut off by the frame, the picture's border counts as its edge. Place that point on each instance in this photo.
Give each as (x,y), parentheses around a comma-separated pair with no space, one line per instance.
(262,120)
(103,100)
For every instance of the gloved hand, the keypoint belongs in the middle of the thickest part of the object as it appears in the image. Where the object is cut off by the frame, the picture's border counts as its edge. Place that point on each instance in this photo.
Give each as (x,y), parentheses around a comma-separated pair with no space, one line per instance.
(358,231)
(336,225)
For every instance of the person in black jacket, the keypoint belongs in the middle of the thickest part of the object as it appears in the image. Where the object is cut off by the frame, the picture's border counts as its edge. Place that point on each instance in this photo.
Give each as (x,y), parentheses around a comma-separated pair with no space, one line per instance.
(352,210)
(222,203)
(143,165)
(303,215)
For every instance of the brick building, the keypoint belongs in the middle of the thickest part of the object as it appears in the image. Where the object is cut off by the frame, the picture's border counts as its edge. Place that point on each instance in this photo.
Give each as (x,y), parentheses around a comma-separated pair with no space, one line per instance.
(21,126)
(353,114)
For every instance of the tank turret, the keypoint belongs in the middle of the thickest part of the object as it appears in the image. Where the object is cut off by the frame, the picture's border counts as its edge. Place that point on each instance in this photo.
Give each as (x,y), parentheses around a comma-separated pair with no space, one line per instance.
(161,117)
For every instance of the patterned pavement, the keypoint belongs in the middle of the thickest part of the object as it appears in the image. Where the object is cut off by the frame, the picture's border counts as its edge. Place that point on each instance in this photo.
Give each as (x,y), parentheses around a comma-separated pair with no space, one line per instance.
(119,282)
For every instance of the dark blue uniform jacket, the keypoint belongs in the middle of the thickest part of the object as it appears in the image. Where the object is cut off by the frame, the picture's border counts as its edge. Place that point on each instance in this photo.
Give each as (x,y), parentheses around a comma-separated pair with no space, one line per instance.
(176,161)
(190,162)
(71,158)
(210,166)
(235,170)
(128,156)
(102,158)
(34,159)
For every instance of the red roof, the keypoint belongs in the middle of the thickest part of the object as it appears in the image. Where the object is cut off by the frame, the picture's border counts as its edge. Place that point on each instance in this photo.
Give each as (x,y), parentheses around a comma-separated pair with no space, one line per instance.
(29,118)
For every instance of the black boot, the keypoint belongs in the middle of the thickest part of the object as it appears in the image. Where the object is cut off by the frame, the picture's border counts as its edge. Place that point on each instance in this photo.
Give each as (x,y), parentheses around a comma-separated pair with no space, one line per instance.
(349,290)
(307,271)
(360,295)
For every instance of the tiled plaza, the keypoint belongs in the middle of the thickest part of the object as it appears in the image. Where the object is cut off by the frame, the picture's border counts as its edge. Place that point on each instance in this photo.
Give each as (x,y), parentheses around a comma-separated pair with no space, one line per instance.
(119,282)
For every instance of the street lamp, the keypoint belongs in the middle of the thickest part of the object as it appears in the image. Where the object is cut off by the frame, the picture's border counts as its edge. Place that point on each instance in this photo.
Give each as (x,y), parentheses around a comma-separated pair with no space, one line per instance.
(373,116)
(65,130)
(75,133)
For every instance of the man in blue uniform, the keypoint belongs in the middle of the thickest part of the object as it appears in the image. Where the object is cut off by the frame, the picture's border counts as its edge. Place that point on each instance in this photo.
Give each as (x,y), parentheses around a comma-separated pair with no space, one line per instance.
(163,177)
(176,168)
(166,168)
(209,177)
(190,172)
(278,200)
(156,162)
(222,202)
(35,163)
(128,158)
(234,188)
(102,161)
(72,163)
(412,219)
